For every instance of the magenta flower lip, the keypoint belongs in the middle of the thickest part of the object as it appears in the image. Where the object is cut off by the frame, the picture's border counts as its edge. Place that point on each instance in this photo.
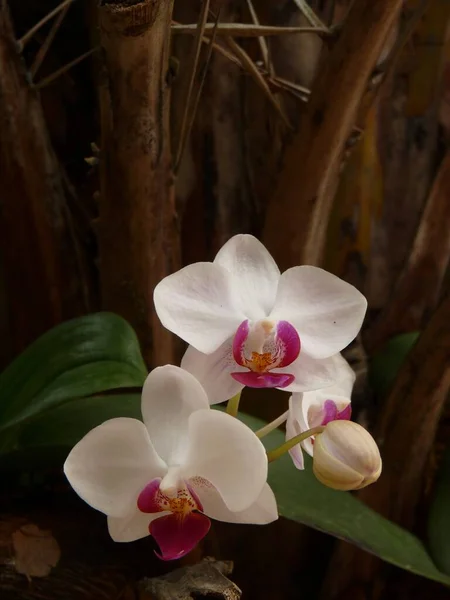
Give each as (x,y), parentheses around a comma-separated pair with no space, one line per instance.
(278,345)
(264,380)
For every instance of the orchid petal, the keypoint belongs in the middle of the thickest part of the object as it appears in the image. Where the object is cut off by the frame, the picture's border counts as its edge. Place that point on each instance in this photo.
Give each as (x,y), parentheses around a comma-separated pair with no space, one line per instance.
(169,396)
(345,378)
(263,380)
(197,303)
(213,371)
(326,311)
(134,526)
(310,373)
(111,464)
(229,455)
(262,511)
(255,274)
(176,535)
(292,429)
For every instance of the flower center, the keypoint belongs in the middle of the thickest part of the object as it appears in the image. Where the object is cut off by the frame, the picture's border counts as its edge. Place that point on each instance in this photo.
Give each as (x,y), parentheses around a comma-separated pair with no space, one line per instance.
(156,497)
(265,345)
(183,525)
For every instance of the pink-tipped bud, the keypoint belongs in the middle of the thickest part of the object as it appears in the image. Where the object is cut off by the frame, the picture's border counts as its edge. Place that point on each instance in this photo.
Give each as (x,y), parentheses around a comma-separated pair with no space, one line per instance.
(346,457)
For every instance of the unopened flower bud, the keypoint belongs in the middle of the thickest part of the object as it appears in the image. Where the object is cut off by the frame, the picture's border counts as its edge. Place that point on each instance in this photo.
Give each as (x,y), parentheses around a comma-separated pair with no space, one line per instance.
(346,457)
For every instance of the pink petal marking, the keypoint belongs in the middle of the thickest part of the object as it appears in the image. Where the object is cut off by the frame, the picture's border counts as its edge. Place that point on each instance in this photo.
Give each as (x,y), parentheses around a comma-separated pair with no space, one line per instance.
(239,342)
(331,412)
(288,343)
(264,380)
(177,535)
(345,414)
(152,500)
(280,346)
(149,500)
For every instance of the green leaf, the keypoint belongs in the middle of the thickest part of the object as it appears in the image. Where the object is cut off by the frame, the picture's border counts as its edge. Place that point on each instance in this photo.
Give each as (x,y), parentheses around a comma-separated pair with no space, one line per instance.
(65,425)
(386,363)
(439,517)
(302,498)
(79,358)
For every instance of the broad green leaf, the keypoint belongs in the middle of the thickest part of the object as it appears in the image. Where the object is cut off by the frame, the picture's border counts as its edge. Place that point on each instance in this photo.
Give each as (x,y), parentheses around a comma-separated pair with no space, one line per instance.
(303,499)
(65,425)
(79,358)
(385,364)
(439,517)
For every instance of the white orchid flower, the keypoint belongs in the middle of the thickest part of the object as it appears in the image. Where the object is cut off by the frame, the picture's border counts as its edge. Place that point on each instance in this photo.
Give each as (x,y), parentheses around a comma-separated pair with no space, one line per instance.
(165,476)
(319,407)
(249,325)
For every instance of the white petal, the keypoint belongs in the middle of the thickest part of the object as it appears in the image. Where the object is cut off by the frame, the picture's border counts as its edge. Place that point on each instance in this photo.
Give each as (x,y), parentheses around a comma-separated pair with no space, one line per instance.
(197,304)
(112,464)
(134,526)
(293,429)
(229,455)
(214,370)
(345,378)
(310,373)
(326,311)
(299,405)
(169,396)
(262,511)
(255,274)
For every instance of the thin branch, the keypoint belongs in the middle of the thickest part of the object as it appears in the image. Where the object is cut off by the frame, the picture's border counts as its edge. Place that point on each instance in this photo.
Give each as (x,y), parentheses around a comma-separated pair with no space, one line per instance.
(254,72)
(199,33)
(40,56)
(50,78)
(309,14)
(261,41)
(248,30)
(198,95)
(27,37)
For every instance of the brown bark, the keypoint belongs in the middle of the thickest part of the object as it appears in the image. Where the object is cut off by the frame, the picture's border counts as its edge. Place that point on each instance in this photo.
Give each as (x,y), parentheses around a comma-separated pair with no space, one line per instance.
(302,203)
(39,253)
(405,435)
(408,144)
(418,289)
(138,237)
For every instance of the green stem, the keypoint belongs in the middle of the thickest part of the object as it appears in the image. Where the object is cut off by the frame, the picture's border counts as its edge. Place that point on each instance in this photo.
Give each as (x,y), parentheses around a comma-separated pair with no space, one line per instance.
(274,454)
(233,405)
(272,425)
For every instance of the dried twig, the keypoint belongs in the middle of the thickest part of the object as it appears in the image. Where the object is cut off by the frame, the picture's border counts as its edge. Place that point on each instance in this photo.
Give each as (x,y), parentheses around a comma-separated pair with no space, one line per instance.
(247,30)
(261,41)
(50,78)
(40,56)
(309,14)
(199,93)
(255,73)
(27,37)
(199,34)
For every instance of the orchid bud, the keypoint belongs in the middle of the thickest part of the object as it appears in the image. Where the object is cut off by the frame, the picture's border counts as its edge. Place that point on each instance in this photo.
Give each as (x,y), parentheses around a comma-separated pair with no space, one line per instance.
(346,457)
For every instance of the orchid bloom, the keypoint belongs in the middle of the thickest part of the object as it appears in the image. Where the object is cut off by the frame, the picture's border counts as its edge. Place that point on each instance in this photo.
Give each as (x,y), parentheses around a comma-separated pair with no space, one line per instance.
(249,325)
(165,476)
(319,407)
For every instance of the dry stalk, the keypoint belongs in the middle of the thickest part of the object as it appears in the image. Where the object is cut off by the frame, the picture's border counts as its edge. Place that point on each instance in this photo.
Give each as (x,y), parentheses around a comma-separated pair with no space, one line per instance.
(138,236)
(302,203)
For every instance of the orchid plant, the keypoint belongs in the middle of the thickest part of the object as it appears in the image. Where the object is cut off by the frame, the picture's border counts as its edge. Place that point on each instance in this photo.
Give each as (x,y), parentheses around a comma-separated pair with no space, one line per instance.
(184,463)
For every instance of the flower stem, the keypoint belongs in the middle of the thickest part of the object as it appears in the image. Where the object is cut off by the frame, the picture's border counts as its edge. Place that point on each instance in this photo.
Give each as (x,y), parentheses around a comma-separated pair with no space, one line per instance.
(233,405)
(272,425)
(278,452)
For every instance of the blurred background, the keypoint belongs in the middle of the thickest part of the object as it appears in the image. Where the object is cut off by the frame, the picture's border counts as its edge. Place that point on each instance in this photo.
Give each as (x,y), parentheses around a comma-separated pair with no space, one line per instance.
(135,139)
